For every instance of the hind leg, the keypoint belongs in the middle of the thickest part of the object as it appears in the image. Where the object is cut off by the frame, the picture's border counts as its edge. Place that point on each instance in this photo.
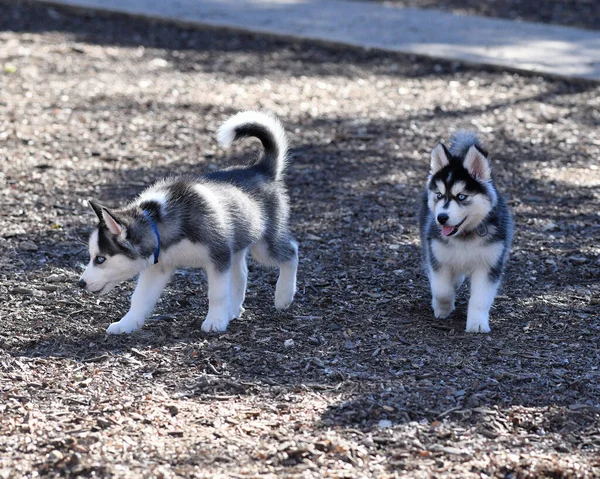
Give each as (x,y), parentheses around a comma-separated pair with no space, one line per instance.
(283,254)
(286,283)
(239,277)
(459,279)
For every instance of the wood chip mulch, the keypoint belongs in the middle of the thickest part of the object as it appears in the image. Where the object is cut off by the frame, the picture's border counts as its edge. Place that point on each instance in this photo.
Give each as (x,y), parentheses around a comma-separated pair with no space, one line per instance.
(355,380)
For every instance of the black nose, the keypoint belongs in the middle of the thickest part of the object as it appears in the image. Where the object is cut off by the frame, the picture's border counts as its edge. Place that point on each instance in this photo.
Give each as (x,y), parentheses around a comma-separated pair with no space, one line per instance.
(442,218)
(81,283)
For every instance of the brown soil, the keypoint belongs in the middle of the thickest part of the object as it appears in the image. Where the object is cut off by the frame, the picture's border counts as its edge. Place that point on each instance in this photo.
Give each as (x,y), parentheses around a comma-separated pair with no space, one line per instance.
(357,379)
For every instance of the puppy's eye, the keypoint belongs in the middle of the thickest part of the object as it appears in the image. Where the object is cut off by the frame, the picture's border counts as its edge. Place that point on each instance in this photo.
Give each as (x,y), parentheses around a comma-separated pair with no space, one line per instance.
(461,197)
(439,196)
(99,259)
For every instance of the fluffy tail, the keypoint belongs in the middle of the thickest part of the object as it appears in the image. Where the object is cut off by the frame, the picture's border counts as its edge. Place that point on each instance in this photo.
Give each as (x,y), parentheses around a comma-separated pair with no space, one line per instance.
(462,140)
(268,130)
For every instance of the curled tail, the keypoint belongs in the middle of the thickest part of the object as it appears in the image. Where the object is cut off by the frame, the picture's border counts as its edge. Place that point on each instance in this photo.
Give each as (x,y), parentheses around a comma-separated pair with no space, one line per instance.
(268,130)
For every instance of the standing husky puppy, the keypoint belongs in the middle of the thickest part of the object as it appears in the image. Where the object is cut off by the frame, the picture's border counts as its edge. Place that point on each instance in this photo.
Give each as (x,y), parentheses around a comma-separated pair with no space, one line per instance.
(207,222)
(466,229)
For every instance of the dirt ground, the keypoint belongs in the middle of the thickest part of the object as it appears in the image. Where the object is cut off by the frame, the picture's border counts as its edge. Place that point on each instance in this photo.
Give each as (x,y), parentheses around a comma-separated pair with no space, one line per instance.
(355,380)
(569,13)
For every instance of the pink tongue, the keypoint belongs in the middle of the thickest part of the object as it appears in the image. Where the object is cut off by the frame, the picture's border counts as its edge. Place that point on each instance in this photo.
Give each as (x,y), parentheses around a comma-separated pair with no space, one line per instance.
(446,230)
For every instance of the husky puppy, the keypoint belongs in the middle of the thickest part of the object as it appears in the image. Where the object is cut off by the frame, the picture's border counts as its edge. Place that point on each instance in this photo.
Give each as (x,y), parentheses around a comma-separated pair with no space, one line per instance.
(465,228)
(208,222)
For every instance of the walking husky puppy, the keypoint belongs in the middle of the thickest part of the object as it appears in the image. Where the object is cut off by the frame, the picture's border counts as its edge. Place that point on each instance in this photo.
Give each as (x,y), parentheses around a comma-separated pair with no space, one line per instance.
(466,229)
(208,222)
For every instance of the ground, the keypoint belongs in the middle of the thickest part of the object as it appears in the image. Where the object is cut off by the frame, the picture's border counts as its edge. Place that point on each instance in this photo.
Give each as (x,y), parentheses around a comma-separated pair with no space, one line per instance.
(357,379)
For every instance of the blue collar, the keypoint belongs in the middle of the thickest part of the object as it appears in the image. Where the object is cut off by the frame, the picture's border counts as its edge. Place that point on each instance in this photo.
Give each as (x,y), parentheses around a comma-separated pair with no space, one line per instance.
(155,229)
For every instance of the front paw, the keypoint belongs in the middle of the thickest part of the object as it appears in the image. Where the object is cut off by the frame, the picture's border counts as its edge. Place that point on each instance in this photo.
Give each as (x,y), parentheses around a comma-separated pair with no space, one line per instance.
(214,324)
(125,326)
(442,308)
(237,314)
(478,324)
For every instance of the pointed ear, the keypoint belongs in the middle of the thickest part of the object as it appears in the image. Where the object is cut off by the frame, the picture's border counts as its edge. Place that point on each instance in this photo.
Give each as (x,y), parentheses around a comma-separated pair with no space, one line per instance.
(97,207)
(440,157)
(477,164)
(115,226)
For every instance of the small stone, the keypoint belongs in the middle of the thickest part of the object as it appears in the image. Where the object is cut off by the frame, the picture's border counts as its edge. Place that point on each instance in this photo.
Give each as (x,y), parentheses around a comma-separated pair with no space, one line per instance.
(28,246)
(289,343)
(384,424)
(55,456)
(159,63)
(550,226)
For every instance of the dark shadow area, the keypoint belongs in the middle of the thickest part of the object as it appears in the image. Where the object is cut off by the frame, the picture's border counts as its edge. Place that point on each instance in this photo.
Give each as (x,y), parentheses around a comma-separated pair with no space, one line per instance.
(207,49)
(211,49)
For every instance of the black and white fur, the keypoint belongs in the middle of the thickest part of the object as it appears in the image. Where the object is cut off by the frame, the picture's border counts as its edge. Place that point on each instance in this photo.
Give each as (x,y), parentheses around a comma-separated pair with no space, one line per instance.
(466,229)
(208,222)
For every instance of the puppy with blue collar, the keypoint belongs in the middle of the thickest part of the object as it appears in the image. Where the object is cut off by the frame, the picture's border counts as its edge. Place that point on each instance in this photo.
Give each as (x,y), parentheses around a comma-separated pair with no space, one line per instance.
(207,221)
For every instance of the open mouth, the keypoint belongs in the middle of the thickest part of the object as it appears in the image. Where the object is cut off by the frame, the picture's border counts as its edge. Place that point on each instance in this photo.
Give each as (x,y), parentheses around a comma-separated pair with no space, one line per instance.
(448,230)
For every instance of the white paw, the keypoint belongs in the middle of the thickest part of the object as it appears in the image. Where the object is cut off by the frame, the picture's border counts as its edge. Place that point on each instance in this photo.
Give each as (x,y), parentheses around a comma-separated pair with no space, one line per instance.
(214,324)
(125,326)
(284,297)
(442,309)
(238,314)
(478,324)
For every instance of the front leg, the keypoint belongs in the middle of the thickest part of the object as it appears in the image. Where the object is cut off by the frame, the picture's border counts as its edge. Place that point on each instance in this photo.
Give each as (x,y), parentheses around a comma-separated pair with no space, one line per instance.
(483,292)
(219,292)
(442,292)
(150,285)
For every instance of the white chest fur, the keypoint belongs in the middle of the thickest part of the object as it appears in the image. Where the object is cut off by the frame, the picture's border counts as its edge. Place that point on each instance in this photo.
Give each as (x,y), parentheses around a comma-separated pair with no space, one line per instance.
(467,256)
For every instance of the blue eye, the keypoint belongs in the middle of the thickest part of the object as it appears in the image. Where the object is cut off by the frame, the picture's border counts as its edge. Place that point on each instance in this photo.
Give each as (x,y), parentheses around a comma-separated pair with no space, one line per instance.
(461,197)
(99,259)
(439,196)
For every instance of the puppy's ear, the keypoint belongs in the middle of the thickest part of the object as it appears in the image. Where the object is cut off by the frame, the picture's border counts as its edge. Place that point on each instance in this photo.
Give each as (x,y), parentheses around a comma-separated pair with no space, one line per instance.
(114,225)
(97,207)
(440,157)
(477,164)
